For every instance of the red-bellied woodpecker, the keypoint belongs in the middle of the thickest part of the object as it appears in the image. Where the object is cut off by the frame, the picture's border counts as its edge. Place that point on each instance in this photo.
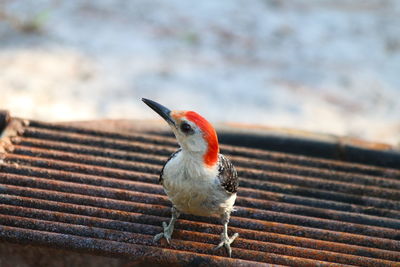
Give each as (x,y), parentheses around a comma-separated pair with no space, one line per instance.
(197,179)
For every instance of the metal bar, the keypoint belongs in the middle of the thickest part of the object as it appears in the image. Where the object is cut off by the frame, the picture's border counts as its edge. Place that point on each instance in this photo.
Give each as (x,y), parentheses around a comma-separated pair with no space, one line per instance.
(160,210)
(120,224)
(54,132)
(143,235)
(264,231)
(97,191)
(112,170)
(142,156)
(112,248)
(252,193)
(266,202)
(148,185)
(245,172)
(131,191)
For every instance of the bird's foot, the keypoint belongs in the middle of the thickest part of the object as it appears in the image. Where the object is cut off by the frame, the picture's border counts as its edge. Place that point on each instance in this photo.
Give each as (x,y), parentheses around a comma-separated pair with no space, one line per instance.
(167,233)
(226,242)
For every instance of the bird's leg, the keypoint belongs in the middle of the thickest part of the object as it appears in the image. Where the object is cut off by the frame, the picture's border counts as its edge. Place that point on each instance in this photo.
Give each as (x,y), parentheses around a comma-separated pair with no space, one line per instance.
(225,240)
(168,230)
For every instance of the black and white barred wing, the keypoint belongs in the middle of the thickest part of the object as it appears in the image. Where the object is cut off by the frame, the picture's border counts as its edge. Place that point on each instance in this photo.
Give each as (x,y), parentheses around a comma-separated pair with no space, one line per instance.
(227,174)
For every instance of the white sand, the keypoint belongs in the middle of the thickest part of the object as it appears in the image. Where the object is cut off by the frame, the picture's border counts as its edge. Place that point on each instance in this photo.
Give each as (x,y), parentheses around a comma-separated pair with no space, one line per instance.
(330,66)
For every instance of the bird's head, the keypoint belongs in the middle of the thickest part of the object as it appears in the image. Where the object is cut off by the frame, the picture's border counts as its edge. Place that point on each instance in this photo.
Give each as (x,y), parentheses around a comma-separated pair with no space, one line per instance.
(193,132)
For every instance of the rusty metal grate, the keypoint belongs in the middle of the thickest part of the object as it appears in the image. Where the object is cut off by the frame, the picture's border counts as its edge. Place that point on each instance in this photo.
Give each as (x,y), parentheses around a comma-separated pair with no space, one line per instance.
(97,191)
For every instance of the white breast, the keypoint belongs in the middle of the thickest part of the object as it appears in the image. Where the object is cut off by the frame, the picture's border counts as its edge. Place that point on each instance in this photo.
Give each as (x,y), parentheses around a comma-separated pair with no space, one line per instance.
(193,188)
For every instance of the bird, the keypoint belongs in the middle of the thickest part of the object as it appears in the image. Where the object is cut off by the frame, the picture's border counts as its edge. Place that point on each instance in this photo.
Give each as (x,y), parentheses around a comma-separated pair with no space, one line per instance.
(197,179)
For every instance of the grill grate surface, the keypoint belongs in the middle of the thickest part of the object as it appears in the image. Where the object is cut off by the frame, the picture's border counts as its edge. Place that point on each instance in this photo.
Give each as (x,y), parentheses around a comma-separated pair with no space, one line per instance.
(98,192)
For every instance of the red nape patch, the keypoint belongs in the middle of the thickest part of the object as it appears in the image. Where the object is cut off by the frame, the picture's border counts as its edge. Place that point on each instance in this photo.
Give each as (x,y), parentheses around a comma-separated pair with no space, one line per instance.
(211,156)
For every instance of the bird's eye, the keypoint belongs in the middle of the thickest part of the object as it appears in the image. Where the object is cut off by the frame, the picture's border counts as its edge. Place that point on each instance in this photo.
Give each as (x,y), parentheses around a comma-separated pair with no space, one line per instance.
(186,128)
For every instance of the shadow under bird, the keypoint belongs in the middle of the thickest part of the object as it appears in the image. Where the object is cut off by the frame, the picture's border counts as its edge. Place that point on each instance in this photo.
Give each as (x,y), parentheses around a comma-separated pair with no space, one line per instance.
(197,178)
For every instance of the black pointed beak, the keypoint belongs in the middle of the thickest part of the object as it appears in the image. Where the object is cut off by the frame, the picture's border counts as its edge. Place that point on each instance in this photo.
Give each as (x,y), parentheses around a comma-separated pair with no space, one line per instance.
(164,112)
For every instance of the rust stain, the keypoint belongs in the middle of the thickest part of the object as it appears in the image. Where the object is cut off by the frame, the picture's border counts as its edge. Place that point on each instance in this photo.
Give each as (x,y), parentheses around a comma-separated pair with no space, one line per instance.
(97,192)
(365,144)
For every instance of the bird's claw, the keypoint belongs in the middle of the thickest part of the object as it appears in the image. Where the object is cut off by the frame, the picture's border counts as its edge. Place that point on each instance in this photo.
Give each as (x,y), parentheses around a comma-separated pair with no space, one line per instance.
(167,233)
(226,242)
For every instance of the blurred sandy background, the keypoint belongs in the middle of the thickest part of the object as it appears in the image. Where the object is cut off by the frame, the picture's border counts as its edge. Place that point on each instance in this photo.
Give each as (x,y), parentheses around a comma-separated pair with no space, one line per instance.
(330,66)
